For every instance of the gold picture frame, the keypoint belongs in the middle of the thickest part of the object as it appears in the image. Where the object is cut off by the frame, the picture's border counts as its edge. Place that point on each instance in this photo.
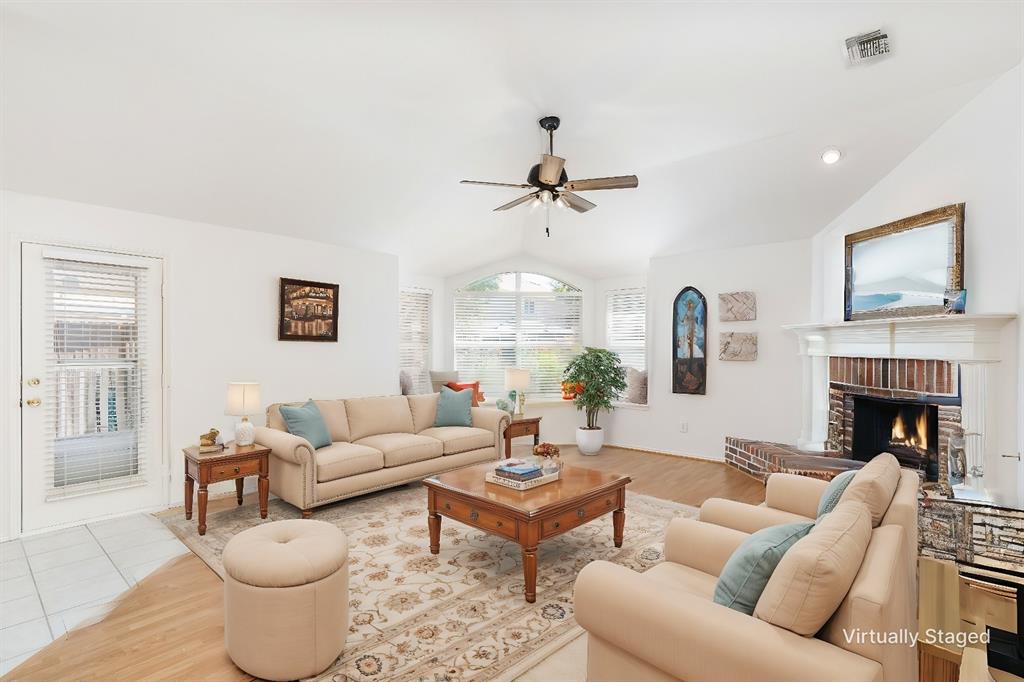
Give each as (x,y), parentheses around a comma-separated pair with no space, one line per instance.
(953,214)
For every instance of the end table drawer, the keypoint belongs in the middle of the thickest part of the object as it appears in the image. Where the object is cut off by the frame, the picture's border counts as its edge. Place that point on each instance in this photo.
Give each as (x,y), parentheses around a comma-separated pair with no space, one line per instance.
(516,430)
(220,472)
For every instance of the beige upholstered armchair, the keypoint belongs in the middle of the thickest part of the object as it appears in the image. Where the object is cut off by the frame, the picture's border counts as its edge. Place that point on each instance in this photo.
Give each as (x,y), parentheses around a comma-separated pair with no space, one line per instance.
(663,625)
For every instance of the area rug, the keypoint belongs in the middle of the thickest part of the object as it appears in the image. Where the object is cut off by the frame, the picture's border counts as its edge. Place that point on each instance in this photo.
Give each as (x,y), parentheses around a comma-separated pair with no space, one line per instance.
(458,615)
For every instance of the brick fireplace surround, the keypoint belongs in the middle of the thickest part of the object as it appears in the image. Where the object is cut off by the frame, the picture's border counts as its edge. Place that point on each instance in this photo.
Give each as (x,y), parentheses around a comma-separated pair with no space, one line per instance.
(907,379)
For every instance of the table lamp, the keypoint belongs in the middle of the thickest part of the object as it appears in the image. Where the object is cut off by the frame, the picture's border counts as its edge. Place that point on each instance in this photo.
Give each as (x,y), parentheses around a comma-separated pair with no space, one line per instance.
(243,400)
(518,380)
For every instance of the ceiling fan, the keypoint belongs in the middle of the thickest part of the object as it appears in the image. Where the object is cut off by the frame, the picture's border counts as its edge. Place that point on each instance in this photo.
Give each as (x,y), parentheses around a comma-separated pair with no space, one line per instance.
(551,185)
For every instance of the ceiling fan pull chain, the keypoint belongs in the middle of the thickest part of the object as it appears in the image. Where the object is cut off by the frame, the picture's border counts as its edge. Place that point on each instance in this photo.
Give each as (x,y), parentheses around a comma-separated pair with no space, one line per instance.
(547,219)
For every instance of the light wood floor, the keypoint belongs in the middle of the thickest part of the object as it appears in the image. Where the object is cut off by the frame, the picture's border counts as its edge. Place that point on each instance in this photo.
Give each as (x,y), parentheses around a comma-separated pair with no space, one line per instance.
(170,626)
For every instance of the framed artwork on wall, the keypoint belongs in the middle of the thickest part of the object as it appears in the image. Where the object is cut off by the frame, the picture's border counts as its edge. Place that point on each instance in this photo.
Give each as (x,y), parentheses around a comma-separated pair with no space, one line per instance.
(308,311)
(689,342)
(907,268)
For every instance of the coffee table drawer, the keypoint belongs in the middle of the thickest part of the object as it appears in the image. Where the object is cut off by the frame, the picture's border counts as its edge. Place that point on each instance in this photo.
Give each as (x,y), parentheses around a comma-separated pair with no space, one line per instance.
(222,472)
(474,516)
(588,511)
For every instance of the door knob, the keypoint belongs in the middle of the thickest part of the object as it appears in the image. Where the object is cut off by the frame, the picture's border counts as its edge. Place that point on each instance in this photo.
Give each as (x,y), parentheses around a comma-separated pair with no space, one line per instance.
(33,402)
(32,382)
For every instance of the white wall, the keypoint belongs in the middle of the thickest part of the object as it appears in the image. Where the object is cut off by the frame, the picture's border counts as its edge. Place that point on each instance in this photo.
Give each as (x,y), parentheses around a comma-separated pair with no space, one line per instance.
(220,318)
(759,399)
(974,157)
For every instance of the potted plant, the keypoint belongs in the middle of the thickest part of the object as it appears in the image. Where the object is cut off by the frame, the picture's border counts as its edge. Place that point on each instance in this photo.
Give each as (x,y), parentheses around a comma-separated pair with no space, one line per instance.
(597,377)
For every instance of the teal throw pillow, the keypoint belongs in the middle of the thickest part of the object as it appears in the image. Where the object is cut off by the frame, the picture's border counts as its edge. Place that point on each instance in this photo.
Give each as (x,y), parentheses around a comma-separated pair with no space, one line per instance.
(307,422)
(834,491)
(748,570)
(454,408)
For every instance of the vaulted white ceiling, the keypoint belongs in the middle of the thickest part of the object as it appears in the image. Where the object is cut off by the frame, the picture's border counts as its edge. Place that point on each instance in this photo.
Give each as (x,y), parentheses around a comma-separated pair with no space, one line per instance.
(353,122)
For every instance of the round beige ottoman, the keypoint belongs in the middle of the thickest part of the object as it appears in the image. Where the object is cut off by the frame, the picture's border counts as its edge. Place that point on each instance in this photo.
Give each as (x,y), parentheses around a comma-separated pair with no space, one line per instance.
(286,598)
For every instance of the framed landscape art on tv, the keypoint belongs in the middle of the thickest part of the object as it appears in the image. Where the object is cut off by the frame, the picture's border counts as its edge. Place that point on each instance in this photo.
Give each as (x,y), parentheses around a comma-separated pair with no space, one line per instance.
(308,311)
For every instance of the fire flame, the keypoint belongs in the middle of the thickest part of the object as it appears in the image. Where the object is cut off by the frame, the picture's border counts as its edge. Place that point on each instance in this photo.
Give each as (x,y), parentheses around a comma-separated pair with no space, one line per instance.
(919,439)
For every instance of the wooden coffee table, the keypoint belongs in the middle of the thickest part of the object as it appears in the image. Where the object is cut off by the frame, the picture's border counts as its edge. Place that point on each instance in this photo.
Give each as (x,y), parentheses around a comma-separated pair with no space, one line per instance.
(529,516)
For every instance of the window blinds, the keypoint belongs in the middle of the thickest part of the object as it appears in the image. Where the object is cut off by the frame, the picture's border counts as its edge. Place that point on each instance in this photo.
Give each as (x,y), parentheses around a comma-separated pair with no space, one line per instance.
(538,331)
(96,410)
(414,321)
(626,326)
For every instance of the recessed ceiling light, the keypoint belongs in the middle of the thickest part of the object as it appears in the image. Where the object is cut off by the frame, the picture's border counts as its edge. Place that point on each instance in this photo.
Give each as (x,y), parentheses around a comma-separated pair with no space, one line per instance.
(831,155)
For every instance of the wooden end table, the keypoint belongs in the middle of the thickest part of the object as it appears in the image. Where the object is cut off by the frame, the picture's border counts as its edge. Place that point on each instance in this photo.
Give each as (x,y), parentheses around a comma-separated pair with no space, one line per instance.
(234,462)
(529,516)
(521,426)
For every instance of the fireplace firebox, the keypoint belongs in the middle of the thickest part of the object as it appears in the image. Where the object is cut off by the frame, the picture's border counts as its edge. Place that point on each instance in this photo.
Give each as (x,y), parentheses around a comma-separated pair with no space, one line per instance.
(908,429)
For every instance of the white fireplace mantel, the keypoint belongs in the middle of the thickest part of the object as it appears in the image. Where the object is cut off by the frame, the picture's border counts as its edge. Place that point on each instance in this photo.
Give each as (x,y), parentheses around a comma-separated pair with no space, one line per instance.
(973,342)
(957,338)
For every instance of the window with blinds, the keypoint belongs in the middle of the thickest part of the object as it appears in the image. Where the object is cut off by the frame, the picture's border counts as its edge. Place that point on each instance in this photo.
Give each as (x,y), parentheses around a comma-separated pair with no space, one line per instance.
(517,319)
(626,326)
(96,411)
(414,336)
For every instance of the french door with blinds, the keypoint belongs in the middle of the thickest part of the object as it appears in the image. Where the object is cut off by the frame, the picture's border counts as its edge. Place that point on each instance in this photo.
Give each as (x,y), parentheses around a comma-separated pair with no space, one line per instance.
(91,341)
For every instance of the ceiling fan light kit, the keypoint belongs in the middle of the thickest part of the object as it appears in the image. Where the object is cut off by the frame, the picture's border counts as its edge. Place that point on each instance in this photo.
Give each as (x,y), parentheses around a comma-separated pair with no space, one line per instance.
(551,184)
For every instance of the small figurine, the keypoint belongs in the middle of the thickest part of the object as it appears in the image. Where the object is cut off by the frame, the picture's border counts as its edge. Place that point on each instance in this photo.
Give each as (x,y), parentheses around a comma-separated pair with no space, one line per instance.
(209,438)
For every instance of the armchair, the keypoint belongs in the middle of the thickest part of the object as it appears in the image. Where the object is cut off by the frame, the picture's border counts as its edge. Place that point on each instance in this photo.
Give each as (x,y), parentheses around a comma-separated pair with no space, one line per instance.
(663,624)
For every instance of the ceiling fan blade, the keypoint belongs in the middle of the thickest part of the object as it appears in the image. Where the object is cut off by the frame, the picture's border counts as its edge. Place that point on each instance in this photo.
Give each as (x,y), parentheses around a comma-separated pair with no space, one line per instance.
(576,202)
(618,182)
(551,169)
(493,184)
(516,202)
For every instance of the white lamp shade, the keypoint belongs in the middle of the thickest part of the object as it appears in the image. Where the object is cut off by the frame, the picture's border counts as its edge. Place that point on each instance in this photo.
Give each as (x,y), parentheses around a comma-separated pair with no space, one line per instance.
(243,399)
(517,379)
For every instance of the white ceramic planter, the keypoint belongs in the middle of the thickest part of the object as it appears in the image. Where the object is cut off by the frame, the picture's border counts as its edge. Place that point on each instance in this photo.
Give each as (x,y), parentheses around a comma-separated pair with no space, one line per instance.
(589,441)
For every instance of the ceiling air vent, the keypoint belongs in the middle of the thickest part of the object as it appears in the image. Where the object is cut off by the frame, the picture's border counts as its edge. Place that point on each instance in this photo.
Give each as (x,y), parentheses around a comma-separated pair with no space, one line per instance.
(867,46)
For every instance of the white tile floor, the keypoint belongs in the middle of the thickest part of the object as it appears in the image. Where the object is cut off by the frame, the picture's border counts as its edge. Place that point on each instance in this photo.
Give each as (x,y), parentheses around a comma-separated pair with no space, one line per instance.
(52,582)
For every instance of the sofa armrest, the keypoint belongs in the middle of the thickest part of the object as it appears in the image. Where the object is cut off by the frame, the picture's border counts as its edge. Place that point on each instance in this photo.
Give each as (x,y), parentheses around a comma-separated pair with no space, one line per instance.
(494,420)
(794,494)
(287,446)
(692,638)
(741,516)
(703,546)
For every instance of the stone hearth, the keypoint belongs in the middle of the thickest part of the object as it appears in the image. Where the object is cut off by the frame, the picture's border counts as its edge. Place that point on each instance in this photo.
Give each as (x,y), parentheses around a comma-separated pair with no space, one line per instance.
(762,458)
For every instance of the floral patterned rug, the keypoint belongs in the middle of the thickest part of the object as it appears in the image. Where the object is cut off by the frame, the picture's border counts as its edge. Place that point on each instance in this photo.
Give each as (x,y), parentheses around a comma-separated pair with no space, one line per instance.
(458,615)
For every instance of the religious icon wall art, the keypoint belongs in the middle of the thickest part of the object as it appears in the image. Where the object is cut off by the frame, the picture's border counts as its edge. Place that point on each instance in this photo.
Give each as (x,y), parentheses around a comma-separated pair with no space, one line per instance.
(689,342)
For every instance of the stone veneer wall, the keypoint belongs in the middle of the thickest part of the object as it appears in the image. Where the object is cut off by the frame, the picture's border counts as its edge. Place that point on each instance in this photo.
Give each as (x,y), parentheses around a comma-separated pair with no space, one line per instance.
(894,379)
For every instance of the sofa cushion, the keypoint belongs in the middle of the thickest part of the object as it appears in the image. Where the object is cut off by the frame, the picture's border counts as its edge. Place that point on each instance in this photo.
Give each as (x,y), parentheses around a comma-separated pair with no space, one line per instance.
(874,485)
(306,422)
(372,416)
(816,573)
(746,573)
(454,408)
(672,576)
(346,459)
(458,439)
(424,410)
(333,412)
(403,448)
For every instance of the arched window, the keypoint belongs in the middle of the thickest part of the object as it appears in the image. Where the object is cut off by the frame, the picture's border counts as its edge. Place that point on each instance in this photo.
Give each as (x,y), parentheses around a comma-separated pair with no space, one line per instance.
(517,319)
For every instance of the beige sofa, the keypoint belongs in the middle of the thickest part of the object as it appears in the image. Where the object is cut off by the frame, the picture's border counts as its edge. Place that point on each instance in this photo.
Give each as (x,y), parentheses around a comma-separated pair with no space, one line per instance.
(377,443)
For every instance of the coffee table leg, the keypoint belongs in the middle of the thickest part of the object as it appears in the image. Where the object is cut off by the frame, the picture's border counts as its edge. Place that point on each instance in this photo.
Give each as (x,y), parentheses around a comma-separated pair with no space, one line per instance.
(189,487)
(434,523)
(530,573)
(618,524)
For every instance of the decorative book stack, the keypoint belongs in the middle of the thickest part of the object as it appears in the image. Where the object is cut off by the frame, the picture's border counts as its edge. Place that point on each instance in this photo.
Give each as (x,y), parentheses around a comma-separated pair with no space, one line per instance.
(519,475)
